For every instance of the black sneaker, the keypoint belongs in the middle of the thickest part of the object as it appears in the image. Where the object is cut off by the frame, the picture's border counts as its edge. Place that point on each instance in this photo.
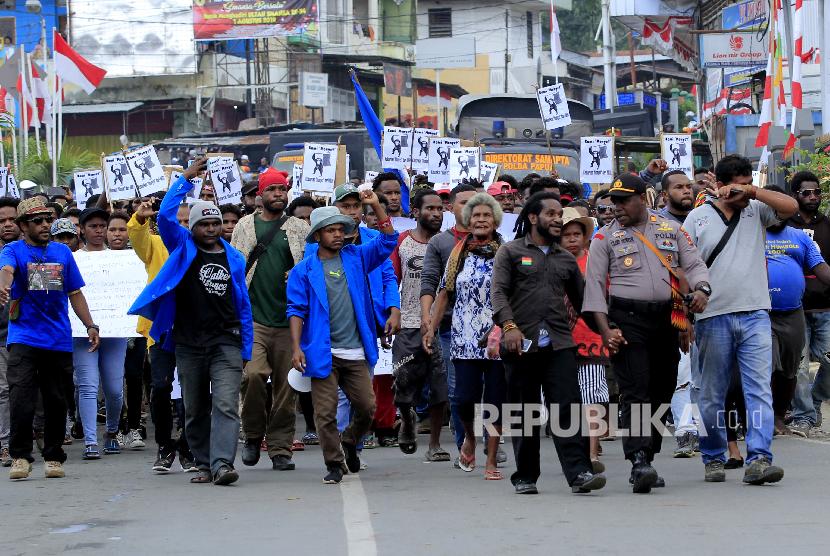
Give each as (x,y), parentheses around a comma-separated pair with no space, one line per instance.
(587,481)
(525,487)
(762,471)
(352,459)
(188,462)
(714,472)
(282,463)
(334,476)
(251,451)
(164,462)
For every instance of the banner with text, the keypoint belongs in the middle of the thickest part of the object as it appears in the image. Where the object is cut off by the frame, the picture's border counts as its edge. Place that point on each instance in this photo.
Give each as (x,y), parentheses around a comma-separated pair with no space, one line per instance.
(319,167)
(553,105)
(439,158)
(252,19)
(87,184)
(596,163)
(147,170)
(226,179)
(120,183)
(677,152)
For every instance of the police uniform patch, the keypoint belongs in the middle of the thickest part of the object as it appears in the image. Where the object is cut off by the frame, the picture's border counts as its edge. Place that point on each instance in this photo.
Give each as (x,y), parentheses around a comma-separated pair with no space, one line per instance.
(626,249)
(665,227)
(628,261)
(669,258)
(653,218)
(688,237)
(668,245)
(619,233)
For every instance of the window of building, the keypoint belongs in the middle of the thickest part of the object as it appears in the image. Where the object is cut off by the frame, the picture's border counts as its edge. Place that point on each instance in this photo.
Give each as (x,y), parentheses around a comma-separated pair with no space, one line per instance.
(440,22)
(529,16)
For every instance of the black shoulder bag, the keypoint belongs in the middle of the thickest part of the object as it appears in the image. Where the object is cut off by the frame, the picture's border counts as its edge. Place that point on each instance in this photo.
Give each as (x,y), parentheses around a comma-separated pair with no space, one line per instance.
(263,243)
(730,228)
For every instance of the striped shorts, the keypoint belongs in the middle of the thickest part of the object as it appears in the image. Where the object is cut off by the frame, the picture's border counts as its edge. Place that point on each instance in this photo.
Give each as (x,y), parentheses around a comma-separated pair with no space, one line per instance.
(592,384)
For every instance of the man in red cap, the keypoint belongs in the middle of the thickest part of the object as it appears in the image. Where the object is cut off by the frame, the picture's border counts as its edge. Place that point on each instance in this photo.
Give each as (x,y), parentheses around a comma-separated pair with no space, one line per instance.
(504,194)
(272,244)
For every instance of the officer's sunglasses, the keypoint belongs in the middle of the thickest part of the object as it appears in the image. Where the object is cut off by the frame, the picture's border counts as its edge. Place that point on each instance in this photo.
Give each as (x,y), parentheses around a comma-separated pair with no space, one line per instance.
(605,208)
(808,192)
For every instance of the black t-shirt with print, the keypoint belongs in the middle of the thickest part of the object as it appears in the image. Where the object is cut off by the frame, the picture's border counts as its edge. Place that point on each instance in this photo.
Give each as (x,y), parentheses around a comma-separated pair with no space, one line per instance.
(205,313)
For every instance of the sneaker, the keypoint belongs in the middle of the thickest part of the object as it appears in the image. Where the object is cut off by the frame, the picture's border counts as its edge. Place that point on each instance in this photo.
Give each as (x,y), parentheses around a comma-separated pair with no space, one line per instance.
(164,462)
(715,472)
(501,456)
(91,452)
(251,451)
(282,463)
(586,482)
(311,439)
(334,476)
(800,428)
(53,470)
(5,458)
(685,448)
(188,462)
(111,445)
(761,471)
(352,459)
(20,469)
(370,443)
(121,438)
(133,441)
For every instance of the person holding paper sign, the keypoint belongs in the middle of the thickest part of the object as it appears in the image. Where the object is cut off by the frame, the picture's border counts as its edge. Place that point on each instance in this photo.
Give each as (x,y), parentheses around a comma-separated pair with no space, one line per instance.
(199,303)
(333,327)
(39,277)
(9,232)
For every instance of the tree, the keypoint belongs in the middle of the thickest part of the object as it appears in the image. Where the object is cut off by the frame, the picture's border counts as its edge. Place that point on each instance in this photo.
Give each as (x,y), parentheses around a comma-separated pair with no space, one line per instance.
(578,26)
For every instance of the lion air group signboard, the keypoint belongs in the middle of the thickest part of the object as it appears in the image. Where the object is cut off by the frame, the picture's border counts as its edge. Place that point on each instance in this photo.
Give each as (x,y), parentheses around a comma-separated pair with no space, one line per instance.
(723,50)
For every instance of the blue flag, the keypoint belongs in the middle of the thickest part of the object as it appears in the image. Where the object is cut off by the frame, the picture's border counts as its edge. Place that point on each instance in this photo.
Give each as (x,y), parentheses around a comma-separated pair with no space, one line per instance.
(375,130)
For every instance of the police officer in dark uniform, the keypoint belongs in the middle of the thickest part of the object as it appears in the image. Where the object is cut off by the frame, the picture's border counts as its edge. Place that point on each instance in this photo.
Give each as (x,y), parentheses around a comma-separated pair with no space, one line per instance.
(643,321)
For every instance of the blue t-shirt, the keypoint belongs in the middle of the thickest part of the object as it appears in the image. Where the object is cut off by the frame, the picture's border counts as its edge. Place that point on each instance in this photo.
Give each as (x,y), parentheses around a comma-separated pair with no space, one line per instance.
(790,254)
(43,278)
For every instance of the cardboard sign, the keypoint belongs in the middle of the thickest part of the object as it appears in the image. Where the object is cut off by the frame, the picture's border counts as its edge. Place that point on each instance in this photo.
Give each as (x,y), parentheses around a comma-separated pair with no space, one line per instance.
(120,183)
(465,163)
(553,105)
(439,158)
(113,281)
(296,182)
(147,170)
(397,147)
(11,187)
(677,151)
(420,148)
(4,180)
(384,365)
(489,172)
(194,193)
(319,167)
(370,176)
(87,184)
(596,163)
(226,179)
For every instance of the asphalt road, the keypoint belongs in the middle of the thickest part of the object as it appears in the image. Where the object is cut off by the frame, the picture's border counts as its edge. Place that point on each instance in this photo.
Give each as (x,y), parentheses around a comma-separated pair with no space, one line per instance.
(400,505)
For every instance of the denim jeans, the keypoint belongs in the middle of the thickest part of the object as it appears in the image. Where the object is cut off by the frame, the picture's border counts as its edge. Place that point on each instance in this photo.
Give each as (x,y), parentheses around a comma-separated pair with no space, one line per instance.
(104,367)
(809,394)
(211,377)
(457,425)
(745,339)
(681,401)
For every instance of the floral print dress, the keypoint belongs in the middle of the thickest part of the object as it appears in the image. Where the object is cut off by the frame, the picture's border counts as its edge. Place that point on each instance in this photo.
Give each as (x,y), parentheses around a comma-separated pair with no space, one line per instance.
(472,314)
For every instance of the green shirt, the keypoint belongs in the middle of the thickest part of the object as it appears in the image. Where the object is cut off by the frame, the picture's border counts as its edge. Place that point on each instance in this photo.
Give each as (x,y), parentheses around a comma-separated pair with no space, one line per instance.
(267,290)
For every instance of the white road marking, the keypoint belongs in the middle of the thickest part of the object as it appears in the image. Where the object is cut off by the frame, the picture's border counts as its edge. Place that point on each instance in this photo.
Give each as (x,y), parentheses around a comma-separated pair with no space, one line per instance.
(360,536)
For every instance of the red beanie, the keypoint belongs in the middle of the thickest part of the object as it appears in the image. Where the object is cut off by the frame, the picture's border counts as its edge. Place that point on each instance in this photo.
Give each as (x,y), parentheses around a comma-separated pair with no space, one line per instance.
(271,177)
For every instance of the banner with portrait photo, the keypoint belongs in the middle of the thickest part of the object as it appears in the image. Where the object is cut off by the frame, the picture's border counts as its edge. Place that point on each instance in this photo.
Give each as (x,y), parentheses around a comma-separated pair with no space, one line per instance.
(11,187)
(87,183)
(553,106)
(420,148)
(226,180)
(397,147)
(596,163)
(439,158)
(465,163)
(676,149)
(147,170)
(120,183)
(319,167)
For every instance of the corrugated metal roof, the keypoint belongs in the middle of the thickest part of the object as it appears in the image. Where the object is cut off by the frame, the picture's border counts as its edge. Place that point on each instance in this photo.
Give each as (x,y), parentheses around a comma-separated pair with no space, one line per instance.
(100,108)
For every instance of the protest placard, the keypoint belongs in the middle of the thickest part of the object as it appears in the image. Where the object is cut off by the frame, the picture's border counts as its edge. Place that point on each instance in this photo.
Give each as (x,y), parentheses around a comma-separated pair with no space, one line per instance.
(402,223)
(370,176)
(113,281)
(319,167)
(489,172)
(384,365)
(553,105)
(120,182)
(420,148)
(465,163)
(596,163)
(226,179)
(147,170)
(439,158)
(194,193)
(676,150)
(87,184)
(11,187)
(4,180)
(397,147)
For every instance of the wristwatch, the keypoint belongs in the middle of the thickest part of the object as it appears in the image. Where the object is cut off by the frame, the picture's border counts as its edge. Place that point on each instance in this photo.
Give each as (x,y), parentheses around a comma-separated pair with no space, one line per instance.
(705,288)
(95,326)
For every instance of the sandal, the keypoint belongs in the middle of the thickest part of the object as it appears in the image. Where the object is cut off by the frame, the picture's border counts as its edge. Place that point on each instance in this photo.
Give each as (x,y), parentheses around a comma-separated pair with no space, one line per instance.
(297,446)
(437,454)
(225,475)
(202,476)
(465,463)
(493,475)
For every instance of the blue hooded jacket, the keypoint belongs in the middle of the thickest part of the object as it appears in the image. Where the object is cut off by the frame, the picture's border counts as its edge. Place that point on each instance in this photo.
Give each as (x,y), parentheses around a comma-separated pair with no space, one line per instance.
(158,300)
(383,284)
(308,300)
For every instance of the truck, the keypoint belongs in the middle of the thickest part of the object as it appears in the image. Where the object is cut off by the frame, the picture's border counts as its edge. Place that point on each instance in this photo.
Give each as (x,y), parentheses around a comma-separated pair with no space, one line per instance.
(287,148)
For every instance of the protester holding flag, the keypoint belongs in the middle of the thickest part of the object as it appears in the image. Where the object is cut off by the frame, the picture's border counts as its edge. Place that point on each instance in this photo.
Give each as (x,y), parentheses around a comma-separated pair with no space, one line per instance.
(38,277)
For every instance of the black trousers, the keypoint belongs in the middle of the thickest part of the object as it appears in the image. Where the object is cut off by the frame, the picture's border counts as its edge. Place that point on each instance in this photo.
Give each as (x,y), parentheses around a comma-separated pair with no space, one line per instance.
(134,378)
(32,369)
(162,365)
(555,373)
(646,371)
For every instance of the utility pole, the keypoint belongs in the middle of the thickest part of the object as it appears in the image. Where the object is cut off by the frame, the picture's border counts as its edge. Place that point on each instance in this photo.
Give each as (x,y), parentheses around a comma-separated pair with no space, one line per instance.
(824,15)
(506,45)
(249,109)
(608,65)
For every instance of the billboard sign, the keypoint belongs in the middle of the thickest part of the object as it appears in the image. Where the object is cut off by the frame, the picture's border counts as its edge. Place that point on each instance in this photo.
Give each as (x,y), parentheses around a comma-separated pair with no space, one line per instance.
(253,19)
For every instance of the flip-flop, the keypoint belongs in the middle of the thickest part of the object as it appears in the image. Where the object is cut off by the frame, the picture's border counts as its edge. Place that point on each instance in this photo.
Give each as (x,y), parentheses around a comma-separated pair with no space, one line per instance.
(466,464)
(202,476)
(437,454)
(493,475)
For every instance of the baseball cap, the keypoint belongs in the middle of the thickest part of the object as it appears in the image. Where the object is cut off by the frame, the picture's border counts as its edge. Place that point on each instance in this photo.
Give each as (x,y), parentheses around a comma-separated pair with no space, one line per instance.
(499,188)
(89,212)
(343,191)
(203,210)
(31,207)
(626,185)
(63,226)
(250,187)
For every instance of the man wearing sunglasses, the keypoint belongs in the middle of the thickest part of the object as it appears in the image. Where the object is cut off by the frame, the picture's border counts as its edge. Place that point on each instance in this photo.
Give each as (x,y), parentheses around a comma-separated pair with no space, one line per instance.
(806,404)
(39,278)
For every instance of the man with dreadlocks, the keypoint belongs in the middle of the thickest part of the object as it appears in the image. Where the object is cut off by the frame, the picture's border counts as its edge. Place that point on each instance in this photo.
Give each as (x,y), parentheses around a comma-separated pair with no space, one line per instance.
(651,261)
(531,277)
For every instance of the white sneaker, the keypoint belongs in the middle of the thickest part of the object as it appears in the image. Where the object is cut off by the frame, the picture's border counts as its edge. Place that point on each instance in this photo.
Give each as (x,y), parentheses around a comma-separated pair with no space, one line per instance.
(121,438)
(133,441)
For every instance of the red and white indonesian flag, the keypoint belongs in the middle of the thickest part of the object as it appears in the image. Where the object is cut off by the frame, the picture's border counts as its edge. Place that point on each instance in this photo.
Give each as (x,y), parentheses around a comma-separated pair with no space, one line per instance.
(74,68)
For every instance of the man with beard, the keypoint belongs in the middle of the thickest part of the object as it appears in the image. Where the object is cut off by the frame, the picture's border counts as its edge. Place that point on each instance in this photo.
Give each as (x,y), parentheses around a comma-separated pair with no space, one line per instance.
(9,232)
(413,367)
(272,244)
(387,183)
(642,254)
(531,276)
(679,195)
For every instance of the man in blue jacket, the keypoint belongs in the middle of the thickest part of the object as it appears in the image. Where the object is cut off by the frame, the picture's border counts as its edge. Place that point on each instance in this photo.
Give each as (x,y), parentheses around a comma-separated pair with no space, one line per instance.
(332,324)
(199,306)
(383,285)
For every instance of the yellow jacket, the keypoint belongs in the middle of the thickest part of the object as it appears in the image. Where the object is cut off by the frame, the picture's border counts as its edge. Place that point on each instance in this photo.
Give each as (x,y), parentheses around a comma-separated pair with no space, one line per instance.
(152,252)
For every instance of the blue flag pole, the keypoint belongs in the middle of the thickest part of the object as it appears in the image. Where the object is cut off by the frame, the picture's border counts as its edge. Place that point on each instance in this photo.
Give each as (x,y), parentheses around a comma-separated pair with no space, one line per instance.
(375,130)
